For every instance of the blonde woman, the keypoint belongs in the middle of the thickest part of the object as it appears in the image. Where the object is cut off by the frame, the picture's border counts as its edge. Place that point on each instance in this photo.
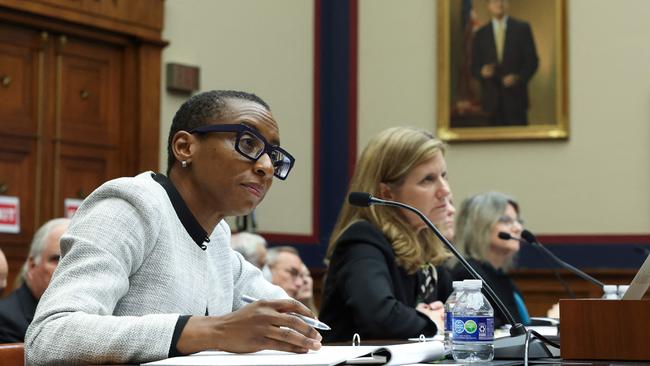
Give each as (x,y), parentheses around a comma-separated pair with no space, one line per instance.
(382,280)
(306,292)
(480,220)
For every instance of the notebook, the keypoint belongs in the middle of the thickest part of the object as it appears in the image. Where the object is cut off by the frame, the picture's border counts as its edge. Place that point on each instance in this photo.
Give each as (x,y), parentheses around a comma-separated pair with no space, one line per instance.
(400,354)
(640,283)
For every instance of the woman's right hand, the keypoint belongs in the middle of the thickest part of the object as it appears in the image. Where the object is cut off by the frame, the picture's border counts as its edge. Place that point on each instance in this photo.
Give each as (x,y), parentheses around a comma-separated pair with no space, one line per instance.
(435,311)
(261,325)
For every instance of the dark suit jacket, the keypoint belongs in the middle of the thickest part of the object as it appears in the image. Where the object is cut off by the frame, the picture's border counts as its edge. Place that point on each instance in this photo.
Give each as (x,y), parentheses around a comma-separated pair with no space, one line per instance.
(366,292)
(16,312)
(498,281)
(519,57)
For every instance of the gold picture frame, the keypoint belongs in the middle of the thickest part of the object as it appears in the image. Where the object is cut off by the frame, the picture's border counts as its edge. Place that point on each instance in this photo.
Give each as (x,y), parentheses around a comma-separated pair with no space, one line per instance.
(462,112)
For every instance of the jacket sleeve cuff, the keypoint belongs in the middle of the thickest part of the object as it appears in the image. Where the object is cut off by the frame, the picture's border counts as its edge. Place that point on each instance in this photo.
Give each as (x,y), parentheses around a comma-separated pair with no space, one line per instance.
(180,325)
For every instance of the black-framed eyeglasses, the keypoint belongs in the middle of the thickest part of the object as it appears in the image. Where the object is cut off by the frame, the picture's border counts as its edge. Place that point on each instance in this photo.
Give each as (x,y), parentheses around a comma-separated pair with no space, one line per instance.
(253,145)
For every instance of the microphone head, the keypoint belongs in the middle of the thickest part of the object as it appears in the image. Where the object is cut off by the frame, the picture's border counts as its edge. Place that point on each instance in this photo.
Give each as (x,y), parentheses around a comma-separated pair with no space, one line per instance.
(361,199)
(528,236)
(504,236)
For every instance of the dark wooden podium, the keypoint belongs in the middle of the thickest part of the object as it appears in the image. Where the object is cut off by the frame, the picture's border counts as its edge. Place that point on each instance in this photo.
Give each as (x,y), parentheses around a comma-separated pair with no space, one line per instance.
(596,329)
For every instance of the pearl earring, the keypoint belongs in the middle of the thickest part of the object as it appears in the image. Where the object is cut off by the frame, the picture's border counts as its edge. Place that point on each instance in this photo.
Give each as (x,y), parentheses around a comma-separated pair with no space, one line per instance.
(184,164)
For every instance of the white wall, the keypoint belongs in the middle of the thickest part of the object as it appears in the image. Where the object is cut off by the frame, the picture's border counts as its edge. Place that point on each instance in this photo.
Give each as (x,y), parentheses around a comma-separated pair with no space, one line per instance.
(397,75)
(265,47)
(597,182)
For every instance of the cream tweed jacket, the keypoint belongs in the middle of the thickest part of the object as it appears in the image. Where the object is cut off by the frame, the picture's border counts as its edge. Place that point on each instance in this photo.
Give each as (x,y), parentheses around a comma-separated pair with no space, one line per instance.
(128,270)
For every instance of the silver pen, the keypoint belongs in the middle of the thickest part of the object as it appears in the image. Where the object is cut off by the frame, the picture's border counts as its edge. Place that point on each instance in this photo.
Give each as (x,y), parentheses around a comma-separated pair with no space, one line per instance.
(310,321)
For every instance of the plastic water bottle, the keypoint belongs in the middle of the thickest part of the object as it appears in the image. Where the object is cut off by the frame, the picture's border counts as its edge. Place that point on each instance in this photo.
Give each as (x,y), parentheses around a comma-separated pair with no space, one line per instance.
(622,289)
(609,292)
(473,325)
(449,308)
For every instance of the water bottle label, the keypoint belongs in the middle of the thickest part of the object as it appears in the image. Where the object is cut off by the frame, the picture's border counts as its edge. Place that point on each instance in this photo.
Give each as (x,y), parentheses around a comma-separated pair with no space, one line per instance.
(473,328)
(448,320)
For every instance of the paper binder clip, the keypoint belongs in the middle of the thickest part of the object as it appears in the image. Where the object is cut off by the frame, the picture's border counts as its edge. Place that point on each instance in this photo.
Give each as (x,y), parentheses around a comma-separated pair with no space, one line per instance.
(356,340)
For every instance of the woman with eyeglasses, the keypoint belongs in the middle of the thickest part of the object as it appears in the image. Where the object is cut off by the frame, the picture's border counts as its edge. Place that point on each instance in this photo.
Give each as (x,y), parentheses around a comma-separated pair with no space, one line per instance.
(479,221)
(147,271)
(384,280)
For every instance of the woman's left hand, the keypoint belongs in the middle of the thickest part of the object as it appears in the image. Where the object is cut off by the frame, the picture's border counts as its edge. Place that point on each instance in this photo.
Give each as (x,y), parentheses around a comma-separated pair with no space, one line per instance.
(435,311)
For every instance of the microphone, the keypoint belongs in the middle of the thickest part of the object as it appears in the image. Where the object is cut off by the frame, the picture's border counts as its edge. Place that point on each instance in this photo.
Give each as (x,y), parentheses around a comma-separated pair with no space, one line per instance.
(530,238)
(506,236)
(513,347)
(364,199)
(361,199)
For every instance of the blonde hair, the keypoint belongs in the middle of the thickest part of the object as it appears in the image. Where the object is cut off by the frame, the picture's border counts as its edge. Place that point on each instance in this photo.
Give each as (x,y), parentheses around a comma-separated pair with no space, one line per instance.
(476,218)
(388,158)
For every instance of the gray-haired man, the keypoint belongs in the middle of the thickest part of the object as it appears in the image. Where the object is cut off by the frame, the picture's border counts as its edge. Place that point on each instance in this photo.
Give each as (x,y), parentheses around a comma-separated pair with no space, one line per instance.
(17,309)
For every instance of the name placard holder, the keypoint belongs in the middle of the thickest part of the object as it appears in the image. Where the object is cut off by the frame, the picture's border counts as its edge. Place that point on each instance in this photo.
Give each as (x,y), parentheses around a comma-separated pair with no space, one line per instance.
(596,329)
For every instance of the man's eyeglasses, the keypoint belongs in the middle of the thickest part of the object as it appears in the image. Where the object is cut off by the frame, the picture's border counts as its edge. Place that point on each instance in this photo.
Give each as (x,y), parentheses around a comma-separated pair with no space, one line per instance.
(252,145)
(505,219)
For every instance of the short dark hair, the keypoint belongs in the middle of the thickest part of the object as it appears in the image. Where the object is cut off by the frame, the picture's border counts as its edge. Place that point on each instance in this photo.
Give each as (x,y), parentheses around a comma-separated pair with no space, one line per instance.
(201,107)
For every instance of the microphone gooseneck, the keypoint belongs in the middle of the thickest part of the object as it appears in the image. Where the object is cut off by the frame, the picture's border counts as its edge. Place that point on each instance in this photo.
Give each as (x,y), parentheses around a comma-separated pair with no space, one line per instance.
(530,238)
(506,236)
(364,199)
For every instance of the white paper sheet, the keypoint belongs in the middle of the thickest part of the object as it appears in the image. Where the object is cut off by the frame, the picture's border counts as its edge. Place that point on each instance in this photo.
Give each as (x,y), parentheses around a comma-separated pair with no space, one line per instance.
(328,355)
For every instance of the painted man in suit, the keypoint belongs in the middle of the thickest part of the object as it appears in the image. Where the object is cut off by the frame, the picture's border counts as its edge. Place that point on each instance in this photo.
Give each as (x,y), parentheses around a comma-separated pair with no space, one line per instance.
(504,59)
(17,309)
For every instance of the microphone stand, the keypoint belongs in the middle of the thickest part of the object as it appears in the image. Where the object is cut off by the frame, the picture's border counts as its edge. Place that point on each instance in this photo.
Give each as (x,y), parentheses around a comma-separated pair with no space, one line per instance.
(518,344)
(529,237)
(506,236)
(556,273)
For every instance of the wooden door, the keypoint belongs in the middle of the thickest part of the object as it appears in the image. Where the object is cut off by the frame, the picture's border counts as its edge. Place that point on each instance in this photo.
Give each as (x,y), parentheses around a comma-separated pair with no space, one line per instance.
(88,106)
(61,106)
(22,61)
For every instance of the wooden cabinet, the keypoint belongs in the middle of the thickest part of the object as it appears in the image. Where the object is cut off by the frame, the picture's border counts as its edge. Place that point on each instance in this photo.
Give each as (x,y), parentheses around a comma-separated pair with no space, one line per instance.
(21,82)
(20,77)
(79,102)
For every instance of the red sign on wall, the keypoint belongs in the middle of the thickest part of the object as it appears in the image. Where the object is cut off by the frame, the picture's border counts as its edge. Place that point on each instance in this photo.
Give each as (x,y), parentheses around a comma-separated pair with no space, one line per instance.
(70,206)
(9,214)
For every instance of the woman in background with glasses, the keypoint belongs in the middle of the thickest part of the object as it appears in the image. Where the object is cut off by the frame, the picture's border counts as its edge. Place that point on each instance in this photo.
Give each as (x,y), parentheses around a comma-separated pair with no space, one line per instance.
(147,271)
(479,221)
(383,279)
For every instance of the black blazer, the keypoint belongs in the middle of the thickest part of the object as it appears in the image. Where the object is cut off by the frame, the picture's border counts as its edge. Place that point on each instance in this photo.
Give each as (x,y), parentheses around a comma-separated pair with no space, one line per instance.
(16,313)
(500,283)
(367,293)
(519,57)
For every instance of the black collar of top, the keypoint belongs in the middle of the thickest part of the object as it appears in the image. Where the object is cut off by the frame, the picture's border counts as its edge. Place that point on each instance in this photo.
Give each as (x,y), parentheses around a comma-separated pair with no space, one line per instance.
(192,226)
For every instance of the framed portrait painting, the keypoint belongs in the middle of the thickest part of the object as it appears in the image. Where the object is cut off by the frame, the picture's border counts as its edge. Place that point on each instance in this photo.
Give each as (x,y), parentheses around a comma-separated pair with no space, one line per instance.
(502,70)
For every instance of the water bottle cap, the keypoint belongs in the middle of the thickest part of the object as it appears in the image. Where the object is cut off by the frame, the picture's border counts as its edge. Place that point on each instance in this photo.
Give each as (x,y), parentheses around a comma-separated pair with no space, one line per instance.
(609,288)
(457,284)
(473,284)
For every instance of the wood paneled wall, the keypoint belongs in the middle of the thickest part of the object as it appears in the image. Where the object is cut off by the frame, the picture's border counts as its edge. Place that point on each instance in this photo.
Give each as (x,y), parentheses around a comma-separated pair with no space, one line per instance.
(539,287)
(80,100)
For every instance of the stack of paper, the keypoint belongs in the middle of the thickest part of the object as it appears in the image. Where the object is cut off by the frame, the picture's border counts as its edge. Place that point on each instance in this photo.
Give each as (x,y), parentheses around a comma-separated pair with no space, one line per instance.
(400,354)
